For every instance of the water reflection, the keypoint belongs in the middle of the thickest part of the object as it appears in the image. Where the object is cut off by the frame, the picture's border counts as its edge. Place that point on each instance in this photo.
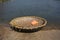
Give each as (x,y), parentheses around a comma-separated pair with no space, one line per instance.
(2,10)
(1,1)
(57,0)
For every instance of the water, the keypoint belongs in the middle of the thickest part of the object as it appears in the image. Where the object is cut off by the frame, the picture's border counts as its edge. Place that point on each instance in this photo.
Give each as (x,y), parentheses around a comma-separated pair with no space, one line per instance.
(48,9)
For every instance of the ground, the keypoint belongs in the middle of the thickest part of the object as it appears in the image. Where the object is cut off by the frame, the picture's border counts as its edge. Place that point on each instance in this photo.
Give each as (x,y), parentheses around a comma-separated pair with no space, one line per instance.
(6,33)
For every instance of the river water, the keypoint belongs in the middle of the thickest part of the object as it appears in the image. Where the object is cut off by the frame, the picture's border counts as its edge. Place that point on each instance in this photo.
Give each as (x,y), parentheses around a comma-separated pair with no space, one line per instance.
(48,9)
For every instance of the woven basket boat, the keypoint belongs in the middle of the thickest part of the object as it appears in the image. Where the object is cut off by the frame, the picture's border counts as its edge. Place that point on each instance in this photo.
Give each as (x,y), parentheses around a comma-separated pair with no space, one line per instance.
(28,23)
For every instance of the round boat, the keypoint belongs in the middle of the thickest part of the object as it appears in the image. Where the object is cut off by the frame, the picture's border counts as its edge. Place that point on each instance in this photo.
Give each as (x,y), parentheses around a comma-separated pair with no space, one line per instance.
(28,23)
